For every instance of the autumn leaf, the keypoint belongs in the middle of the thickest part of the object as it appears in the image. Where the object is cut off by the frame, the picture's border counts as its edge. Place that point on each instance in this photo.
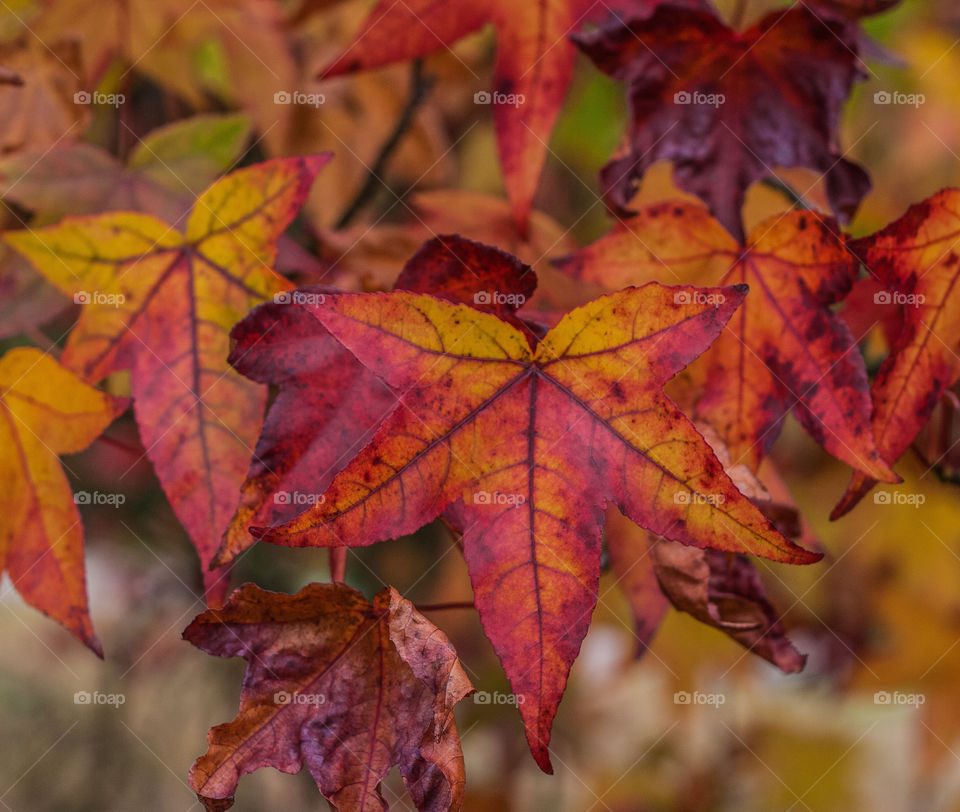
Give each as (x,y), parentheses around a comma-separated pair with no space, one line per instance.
(325,412)
(160,303)
(329,404)
(26,298)
(723,590)
(534,65)
(785,349)
(164,174)
(916,259)
(346,687)
(44,411)
(719,589)
(727,107)
(41,110)
(523,447)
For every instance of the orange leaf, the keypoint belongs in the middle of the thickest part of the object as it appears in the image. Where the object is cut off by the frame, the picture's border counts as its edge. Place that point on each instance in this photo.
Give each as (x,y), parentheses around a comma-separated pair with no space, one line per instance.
(785,349)
(44,411)
(161,303)
(524,447)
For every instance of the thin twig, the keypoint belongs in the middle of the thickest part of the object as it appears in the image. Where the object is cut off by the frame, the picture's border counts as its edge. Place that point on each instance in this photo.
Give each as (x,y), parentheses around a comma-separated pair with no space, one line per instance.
(38,337)
(338,564)
(440,607)
(419,87)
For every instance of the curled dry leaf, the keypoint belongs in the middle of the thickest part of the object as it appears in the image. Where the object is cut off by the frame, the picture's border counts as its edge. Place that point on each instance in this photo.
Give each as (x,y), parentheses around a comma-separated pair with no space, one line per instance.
(720,589)
(343,686)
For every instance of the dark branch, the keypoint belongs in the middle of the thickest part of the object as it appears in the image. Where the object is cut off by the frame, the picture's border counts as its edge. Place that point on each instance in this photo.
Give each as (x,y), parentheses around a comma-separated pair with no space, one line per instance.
(419,87)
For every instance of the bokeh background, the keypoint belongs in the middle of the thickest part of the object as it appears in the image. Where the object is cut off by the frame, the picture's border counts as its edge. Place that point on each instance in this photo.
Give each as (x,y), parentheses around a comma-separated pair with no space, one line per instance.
(880,613)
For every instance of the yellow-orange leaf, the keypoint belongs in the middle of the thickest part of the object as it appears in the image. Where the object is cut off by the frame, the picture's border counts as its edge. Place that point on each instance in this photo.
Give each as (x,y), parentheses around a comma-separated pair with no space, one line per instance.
(161,303)
(785,350)
(45,410)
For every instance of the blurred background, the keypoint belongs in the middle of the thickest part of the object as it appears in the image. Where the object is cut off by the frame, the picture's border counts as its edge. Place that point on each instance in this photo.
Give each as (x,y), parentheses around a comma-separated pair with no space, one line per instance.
(873,723)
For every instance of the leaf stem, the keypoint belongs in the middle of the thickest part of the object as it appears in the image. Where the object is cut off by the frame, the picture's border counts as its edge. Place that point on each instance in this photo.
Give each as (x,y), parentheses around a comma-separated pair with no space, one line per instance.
(419,87)
(338,564)
(121,444)
(440,607)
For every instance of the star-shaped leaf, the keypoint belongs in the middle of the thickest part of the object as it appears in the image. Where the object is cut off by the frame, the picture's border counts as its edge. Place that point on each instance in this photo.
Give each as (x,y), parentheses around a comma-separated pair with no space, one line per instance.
(524,446)
(785,349)
(534,65)
(160,303)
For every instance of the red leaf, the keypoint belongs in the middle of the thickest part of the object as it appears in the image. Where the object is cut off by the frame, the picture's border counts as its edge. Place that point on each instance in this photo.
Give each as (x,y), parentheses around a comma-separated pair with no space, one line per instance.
(326,411)
(556,432)
(916,259)
(329,403)
(533,69)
